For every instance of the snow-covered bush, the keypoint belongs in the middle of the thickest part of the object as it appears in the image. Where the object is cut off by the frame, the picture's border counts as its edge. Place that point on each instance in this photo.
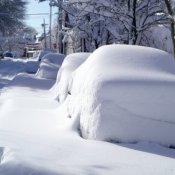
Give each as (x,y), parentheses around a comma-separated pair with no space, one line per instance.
(50,65)
(125,94)
(70,63)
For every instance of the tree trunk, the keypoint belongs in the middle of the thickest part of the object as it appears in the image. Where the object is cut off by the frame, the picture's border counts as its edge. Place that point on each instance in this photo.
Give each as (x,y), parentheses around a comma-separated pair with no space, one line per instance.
(133,32)
(171,13)
(60,21)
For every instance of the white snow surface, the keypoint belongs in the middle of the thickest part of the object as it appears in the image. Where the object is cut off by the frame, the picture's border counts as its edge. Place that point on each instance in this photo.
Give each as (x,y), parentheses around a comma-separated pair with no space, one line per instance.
(49,66)
(64,77)
(42,53)
(125,94)
(38,137)
(10,67)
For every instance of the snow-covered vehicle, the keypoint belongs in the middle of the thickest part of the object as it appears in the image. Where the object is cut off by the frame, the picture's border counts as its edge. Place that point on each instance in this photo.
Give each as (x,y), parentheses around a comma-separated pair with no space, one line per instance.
(50,65)
(64,77)
(125,94)
(38,137)
(42,53)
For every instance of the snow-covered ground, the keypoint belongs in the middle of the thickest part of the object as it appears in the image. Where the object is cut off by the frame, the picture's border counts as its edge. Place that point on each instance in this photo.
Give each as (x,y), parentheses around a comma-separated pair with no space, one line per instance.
(38,137)
(10,67)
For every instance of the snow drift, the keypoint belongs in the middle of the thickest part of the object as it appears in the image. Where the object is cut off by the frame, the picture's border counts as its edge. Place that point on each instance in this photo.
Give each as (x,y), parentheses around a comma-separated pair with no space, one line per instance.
(125,94)
(42,53)
(10,67)
(50,65)
(70,63)
(36,137)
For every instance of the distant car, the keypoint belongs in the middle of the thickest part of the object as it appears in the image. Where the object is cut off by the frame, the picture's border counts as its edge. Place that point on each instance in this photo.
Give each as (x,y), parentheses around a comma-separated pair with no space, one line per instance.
(8,54)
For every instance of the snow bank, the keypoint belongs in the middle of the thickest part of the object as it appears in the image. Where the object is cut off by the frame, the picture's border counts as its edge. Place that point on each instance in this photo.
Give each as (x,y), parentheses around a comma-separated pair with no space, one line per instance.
(36,138)
(32,66)
(42,53)
(10,67)
(70,63)
(49,66)
(125,94)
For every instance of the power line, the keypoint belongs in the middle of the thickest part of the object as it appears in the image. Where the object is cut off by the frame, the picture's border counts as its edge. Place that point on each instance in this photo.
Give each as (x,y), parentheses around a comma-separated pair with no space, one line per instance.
(38,14)
(30,14)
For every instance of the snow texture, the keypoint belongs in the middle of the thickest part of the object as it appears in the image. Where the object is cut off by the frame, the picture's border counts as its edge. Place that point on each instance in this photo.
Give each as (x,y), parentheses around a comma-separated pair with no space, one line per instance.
(50,65)
(42,53)
(64,78)
(10,67)
(38,138)
(125,94)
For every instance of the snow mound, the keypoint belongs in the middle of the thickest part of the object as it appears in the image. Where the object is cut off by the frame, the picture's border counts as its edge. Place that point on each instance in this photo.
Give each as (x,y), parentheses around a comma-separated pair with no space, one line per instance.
(70,63)
(125,94)
(50,65)
(42,53)
(32,66)
(10,67)
(54,58)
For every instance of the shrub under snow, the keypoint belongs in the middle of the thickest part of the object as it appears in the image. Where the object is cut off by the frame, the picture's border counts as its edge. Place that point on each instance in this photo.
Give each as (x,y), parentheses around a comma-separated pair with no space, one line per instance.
(125,94)
(49,66)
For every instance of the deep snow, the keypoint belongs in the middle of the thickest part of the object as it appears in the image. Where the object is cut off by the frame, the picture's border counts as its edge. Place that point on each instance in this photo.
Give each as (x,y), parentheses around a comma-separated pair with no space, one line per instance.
(37,137)
(126,94)
(64,77)
(49,66)
(10,67)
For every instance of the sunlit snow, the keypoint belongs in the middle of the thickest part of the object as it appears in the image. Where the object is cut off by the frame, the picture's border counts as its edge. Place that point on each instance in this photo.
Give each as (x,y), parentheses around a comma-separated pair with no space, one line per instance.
(40,136)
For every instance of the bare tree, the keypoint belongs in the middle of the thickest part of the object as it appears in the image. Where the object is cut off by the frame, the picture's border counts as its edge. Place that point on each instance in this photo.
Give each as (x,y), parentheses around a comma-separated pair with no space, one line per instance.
(121,21)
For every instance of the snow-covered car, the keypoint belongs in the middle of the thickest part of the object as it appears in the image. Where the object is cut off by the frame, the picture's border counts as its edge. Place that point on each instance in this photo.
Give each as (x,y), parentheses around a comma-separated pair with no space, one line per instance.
(50,65)
(42,53)
(64,77)
(125,94)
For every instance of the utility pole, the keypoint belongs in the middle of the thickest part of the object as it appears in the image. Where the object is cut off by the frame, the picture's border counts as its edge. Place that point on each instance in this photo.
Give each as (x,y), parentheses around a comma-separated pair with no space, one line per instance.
(50,27)
(44,28)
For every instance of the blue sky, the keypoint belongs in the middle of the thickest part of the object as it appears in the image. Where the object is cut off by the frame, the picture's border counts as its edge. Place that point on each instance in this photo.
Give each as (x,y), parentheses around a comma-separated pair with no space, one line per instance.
(35,21)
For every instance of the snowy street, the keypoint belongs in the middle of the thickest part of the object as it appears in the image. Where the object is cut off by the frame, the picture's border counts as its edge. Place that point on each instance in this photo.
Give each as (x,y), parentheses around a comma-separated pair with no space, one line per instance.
(39,137)
(87,87)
